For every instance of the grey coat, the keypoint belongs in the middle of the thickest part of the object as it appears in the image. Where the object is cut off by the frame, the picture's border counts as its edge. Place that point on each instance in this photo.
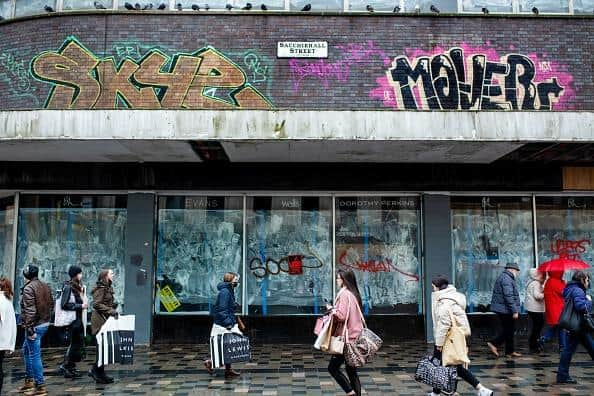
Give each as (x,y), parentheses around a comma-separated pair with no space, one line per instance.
(506,299)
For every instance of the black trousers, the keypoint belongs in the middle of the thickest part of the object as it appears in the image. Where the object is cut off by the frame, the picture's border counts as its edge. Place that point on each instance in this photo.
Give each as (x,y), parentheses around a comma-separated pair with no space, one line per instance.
(1,370)
(463,373)
(74,351)
(508,328)
(537,319)
(348,385)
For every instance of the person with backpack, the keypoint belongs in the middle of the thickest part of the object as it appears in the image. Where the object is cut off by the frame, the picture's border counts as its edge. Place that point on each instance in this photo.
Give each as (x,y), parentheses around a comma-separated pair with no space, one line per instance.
(448,303)
(72,300)
(36,306)
(575,291)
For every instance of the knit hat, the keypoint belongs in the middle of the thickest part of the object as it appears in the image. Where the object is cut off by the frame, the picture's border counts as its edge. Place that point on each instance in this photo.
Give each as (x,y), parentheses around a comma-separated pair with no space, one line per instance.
(73,271)
(30,271)
(512,266)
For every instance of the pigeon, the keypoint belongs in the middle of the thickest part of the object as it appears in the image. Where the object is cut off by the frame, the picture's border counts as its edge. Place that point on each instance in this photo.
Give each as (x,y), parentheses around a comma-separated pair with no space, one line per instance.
(179,6)
(137,6)
(434,9)
(148,6)
(99,6)
(48,9)
(307,7)
(369,8)
(396,9)
(162,6)
(485,10)
(1,18)
(263,7)
(228,6)
(248,6)
(535,10)
(128,6)
(195,7)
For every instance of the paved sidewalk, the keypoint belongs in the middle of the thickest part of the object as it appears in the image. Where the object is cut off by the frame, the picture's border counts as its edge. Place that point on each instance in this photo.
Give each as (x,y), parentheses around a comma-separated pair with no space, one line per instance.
(300,370)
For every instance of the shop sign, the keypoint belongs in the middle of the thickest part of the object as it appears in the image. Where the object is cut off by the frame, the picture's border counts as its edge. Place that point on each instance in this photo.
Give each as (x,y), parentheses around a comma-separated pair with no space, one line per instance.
(302,49)
(168,299)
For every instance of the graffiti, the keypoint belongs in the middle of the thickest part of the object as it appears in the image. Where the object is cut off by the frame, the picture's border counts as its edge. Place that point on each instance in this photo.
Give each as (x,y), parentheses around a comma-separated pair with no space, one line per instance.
(352,55)
(569,249)
(451,80)
(382,264)
(81,80)
(258,70)
(292,265)
(16,74)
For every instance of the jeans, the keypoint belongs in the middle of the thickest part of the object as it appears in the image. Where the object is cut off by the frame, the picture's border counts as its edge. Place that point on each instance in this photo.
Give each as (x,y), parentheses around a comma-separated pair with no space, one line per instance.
(32,355)
(463,373)
(347,385)
(551,331)
(537,319)
(74,351)
(508,328)
(567,351)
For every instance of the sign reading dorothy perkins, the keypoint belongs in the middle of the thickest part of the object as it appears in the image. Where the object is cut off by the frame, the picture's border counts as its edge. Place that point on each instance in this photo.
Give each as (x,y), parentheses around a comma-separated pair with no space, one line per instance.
(299,49)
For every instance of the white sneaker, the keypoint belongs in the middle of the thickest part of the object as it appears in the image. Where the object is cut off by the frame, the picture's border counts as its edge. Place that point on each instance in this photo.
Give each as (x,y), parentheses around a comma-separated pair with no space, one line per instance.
(432,394)
(485,392)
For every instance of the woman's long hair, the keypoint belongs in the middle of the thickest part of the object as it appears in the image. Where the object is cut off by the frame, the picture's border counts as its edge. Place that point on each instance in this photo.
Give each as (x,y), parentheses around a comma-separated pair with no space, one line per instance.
(350,282)
(6,287)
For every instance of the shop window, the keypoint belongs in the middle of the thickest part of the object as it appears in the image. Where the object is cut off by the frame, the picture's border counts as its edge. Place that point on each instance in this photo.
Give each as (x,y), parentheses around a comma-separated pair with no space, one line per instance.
(551,6)
(57,231)
(6,236)
(90,4)
(317,5)
(289,254)
(583,6)
(379,239)
(490,5)
(6,9)
(565,228)
(199,239)
(425,5)
(487,233)
(32,7)
(378,5)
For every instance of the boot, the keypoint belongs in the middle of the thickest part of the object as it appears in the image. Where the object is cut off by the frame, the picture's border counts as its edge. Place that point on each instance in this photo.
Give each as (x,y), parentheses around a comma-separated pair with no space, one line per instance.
(106,378)
(208,366)
(230,373)
(29,384)
(38,390)
(96,374)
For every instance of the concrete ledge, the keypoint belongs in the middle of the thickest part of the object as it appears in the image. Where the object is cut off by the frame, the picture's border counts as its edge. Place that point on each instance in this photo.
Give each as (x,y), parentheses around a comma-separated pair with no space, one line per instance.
(297,125)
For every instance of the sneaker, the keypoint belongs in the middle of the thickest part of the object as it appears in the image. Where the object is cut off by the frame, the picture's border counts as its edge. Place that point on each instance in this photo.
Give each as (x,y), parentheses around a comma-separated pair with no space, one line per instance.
(432,394)
(231,373)
(38,390)
(568,380)
(29,384)
(66,372)
(485,392)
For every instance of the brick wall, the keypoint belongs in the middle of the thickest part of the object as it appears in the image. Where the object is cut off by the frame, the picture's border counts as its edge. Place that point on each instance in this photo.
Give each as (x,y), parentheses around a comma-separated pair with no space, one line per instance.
(164,61)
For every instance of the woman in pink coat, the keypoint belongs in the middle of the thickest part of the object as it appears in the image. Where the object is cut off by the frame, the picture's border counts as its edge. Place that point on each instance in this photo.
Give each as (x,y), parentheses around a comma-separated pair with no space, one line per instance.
(346,312)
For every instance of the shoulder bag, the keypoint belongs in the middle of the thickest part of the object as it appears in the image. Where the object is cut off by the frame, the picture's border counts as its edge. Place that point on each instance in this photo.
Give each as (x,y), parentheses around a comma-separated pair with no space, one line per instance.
(455,350)
(335,344)
(63,317)
(365,346)
(570,319)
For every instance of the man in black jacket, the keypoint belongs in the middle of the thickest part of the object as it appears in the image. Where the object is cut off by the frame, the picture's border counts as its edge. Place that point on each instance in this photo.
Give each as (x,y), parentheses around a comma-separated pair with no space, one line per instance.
(36,306)
(506,304)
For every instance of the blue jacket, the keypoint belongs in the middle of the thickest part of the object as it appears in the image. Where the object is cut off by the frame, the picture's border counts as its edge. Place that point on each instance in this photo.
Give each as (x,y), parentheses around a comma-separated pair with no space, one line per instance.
(576,291)
(506,299)
(224,309)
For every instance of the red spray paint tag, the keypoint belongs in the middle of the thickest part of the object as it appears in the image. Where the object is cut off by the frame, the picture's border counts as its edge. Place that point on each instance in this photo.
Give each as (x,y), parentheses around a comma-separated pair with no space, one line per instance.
(295,265)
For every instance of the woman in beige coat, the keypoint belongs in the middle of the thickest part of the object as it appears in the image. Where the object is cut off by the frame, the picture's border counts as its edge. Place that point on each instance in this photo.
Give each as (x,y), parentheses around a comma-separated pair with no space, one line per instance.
(446,299)
(534,303)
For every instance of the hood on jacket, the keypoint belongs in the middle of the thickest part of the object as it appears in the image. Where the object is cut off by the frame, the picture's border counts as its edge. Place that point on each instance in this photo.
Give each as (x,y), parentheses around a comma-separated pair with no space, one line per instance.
(534,274)
(555,274)
(450,293)
(225,285)
(571,286)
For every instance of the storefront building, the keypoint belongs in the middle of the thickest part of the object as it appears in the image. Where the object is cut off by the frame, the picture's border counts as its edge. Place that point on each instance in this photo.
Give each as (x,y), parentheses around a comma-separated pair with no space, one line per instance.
(175,146)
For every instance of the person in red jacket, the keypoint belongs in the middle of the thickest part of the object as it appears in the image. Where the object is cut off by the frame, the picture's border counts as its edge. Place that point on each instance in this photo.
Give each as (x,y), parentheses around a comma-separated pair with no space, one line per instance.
(553,297)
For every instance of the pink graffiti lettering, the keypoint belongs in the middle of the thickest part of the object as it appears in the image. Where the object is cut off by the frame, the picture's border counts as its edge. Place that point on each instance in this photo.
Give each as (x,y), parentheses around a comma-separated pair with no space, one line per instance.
(569,249)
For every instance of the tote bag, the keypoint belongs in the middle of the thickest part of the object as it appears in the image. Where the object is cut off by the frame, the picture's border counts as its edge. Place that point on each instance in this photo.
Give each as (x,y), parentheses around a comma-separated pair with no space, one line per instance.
(570,319)
(455,350)
(63,317)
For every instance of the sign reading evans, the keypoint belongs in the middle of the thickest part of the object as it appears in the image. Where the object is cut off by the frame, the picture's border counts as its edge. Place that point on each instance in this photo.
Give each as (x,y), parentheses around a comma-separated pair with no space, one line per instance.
(299,49)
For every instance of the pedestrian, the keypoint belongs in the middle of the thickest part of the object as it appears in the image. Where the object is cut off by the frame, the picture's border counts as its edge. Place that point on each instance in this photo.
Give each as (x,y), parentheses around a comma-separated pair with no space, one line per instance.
(345,306)
(224,316)
(36,305)
(8,328)
(104,306)
(72,300)
(582,303)
(535,306)
(506,304)
(553,297)
(445,299)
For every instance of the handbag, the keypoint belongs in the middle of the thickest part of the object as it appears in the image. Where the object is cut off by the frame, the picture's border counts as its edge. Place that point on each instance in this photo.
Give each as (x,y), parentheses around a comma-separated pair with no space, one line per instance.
(324,333)
(335,344)
(455,351)
(570,319)
(63,317)
(429,371)
(320,322)
(365,346)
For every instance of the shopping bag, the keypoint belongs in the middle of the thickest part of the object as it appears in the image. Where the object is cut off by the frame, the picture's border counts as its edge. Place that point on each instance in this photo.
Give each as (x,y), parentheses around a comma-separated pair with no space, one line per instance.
(324,332)
(115,341)
(320,323)
(229,348)
(429,371)
(63,318)
(455,351)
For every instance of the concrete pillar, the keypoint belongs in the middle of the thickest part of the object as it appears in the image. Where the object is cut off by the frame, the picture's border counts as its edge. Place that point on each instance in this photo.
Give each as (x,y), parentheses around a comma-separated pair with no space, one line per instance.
(438,247)
(138,294)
